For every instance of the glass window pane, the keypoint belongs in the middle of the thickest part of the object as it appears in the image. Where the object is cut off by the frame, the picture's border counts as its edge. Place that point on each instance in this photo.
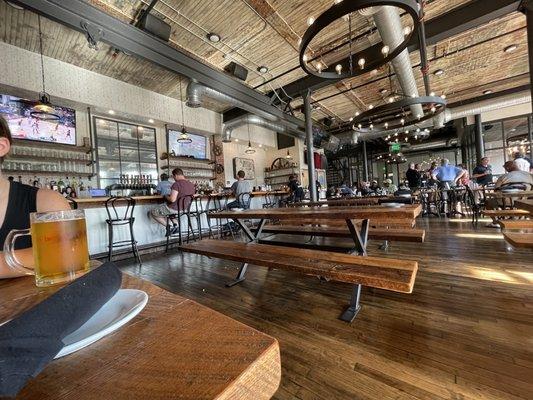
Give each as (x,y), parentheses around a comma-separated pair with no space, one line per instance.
(492,135)
(496,160)
(150,170)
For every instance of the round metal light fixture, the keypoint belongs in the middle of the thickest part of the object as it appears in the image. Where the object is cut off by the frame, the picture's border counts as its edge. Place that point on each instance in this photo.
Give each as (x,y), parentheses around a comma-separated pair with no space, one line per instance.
(184,137)
(262,69)
(213,37)
(342,9)
(43,110)
(397,114)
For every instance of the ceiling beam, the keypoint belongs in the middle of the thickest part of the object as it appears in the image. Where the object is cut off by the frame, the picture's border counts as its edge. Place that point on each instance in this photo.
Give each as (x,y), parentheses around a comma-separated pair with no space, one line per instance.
(83,17)
(454,22)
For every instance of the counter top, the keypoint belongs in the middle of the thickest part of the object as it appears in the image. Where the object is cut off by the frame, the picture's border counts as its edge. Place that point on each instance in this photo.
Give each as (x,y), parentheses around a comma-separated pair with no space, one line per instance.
(93,200)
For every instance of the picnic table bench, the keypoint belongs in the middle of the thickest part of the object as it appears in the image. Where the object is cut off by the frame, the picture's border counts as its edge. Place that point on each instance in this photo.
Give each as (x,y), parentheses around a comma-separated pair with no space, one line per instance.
(383,273)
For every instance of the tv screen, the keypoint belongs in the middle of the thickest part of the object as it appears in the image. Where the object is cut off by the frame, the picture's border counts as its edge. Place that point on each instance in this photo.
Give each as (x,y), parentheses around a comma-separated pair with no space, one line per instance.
(16,112)
(196,149)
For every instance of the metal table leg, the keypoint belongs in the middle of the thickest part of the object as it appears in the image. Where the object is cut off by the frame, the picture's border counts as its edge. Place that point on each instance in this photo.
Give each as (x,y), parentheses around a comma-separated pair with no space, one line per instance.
(353,309)
(251,238)
(360,237)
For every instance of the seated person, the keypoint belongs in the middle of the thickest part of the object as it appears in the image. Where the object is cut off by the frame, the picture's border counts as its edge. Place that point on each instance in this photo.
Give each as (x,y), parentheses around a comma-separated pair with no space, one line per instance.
(17,201)
(296,192)
(177,201)
(514,176)
(239,187)
(389,187)
(346,191)
(365,188)
(374,187)
(164,185)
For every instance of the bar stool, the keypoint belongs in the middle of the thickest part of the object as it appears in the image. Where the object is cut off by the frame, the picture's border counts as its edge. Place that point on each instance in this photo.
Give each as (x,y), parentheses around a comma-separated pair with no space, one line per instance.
(269,200)
(184,210)
(197,212)
(118,217)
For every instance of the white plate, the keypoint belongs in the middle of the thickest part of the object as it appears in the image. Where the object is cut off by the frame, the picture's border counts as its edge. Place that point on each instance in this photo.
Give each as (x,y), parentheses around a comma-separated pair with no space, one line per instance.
(395,205)
(118,310)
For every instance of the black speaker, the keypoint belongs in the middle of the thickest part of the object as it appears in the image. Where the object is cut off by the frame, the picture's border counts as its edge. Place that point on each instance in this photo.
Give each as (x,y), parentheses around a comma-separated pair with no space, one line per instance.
(327,122)
(237,70)
(155,26)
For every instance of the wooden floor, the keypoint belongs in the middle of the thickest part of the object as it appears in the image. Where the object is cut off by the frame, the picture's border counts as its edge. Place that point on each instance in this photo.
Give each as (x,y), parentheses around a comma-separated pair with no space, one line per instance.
(466,332)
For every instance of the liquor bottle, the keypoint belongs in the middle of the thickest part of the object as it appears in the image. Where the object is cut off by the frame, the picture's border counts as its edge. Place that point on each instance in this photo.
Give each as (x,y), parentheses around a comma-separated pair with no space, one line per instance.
(60,186)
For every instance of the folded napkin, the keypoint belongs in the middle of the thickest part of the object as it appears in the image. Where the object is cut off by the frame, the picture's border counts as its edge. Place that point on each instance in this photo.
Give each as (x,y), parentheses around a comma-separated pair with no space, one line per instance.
(31,340)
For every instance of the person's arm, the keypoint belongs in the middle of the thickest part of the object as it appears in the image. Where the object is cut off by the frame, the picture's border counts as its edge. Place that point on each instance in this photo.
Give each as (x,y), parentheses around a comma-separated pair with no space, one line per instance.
(47,200)
(234,188)
(172,197)
(499,182)
(478,174)
(459,174)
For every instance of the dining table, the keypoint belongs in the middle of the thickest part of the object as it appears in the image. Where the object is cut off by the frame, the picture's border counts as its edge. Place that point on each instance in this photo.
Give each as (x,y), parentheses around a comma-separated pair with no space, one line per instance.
(357,219)
(525,205)
(175,348)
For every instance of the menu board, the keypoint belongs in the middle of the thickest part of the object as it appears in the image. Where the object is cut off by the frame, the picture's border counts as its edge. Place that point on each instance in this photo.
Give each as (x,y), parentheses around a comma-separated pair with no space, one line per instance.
(196,148)
(16,112)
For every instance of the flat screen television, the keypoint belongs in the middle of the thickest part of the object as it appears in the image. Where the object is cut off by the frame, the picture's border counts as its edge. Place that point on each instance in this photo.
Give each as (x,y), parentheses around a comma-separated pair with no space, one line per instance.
(197,148)
(16,112)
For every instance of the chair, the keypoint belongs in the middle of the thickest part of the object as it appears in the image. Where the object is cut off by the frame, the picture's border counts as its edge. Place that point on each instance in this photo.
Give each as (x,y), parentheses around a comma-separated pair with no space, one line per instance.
(269,200)
(184,209)
(120,217)
(244,199)
(470,202)
(197,211)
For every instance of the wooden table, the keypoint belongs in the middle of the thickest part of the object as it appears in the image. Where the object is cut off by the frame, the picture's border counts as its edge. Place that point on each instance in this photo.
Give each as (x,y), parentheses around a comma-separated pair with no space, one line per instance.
(174,349)
(350,215)
(525,205)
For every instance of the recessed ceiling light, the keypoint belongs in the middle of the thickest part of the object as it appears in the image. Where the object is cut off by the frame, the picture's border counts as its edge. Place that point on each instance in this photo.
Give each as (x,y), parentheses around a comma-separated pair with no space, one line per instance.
(262,69)
(439,72)
(111,112)
(213,37)
(151,121)
(488,91)
(510,48)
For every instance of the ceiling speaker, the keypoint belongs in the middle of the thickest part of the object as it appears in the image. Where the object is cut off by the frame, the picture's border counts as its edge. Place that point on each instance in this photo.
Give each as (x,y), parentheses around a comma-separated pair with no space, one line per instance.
(237,70)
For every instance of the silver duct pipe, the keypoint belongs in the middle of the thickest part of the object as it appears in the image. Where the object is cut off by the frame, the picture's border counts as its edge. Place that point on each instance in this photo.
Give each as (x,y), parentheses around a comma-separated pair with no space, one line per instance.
(258,121)
(196,92)
(389,25)
(430,145)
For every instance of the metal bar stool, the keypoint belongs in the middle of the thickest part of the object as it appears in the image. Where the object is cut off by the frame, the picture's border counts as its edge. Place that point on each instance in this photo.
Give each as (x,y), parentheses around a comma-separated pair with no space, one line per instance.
(183,210)
(117,217)
(197,212)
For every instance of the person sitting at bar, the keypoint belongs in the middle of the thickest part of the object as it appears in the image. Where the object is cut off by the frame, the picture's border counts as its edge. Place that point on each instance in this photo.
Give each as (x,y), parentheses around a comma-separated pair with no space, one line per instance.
(389,187)
(239,187)
(522,163)
(296,192)
(17,201)
(181,188)
(346,191)
(164,186)
(513,179)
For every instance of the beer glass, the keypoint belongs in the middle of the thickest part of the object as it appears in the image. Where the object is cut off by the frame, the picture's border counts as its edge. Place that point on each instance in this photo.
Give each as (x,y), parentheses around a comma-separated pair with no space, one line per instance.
(60,248)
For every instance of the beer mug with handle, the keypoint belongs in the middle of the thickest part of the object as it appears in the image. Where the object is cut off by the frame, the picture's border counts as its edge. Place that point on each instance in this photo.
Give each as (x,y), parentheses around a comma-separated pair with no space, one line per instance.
(60,248)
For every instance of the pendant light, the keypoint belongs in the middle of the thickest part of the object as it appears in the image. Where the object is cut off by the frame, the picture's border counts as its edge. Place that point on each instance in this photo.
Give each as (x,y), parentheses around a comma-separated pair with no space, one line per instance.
(184,136)
(43,109)
(288,156)
(249,149)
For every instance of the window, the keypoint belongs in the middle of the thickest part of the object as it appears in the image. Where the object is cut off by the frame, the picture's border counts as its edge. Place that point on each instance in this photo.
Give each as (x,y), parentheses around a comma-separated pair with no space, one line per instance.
(124,149)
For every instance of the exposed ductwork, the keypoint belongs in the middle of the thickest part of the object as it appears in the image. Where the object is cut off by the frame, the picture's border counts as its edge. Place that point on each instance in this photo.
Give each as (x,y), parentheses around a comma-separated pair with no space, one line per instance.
(389,25)
(196,92)
(259,121)
(430,145)
(451,114)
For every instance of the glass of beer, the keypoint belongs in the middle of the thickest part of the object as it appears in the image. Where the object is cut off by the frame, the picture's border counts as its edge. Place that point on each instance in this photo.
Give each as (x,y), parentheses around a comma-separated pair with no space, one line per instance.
(60,250)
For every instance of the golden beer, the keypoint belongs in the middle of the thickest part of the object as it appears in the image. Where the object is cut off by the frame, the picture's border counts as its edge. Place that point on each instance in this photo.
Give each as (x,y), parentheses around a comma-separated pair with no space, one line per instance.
(60,250)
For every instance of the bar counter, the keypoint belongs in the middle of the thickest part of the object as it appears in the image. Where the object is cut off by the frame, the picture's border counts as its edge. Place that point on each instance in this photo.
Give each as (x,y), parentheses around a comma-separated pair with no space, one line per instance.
(147,231)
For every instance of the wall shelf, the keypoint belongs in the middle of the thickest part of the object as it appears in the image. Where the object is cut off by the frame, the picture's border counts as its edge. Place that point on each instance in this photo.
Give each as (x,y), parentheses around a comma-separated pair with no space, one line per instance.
(51,145)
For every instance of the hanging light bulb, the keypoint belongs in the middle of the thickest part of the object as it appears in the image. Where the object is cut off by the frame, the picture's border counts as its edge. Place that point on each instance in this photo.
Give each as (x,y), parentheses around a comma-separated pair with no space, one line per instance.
(433,109)
(310,21)
(357,113)
(288,156)
(361,63)
(402,121)
(338,68)
(432,94)
(319,67)
(418,116)
(351,119)
(443,96)
(416,137)
(359,126)
(371,126)
(391,99)
(305,57)
(406,30)
(407,131)
(386,125)
(396,134)
(371,106)
(385,50)
(406,139)
(417,130)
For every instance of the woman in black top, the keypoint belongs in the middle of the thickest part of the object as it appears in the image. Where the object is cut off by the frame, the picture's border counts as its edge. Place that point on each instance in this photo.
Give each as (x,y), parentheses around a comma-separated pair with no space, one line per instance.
(17,201)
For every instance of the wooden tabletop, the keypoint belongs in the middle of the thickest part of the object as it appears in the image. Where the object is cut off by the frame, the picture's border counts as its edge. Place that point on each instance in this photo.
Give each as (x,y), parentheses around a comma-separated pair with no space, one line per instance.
(522,193)
(174,349)
(524,205)
(407,211)
(338,202)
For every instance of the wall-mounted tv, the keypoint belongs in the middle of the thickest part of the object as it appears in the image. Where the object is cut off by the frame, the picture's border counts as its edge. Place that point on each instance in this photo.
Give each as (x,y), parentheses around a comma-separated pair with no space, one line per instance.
(197,148)
(16,112)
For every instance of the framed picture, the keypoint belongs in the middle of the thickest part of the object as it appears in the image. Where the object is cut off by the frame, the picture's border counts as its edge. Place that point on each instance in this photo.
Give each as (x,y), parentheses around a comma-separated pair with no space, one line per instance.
(245,164)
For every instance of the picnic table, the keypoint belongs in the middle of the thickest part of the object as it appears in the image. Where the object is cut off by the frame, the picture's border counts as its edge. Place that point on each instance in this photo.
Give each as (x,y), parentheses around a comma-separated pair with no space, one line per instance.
(525,205)
(174,349)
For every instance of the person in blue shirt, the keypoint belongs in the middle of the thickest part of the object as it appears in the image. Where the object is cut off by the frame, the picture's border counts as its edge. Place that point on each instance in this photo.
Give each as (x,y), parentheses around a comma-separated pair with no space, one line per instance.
(447,175)
(164,185)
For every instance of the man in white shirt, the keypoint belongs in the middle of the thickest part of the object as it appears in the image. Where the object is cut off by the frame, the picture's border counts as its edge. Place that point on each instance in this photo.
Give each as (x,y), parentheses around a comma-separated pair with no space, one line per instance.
(521,162)
(514,176)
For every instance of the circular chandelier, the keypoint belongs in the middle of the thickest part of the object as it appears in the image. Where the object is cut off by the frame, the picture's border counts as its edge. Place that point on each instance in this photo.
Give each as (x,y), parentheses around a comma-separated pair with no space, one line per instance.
(378,57)
(397,115)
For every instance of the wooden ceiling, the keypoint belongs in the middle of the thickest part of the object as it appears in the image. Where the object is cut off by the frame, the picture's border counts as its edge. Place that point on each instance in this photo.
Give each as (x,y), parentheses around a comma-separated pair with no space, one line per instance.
(259,32)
